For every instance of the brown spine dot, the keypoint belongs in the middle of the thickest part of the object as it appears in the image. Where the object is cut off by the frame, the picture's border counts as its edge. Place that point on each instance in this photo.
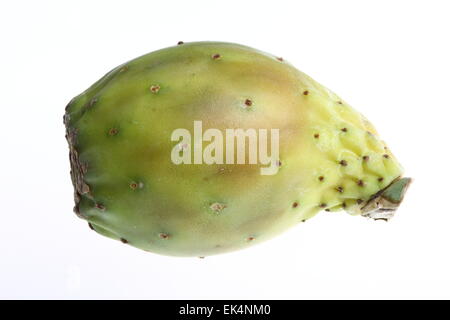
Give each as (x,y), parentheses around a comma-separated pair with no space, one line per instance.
(90,226)
(295,205)
(155,88)
(180,42)
(280,59)
(327,210)
(217,207)
(344,205)
(360,183)
(248,102)
(316,135)
(305,93)
(133,185)
(113,131)
(201,257)
(365,158)
(303,220)
(163,235)
(321,178)
(323,205)
(340,189)
(124,240)
(344,130)
(279,163)
(250,238)
(339,102)
(359,201)
(343,163)
(386,156)
(216,56)
(380,179)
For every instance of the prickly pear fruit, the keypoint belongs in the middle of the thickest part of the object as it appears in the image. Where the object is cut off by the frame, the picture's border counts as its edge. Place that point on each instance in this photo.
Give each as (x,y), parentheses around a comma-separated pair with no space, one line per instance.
(120,134)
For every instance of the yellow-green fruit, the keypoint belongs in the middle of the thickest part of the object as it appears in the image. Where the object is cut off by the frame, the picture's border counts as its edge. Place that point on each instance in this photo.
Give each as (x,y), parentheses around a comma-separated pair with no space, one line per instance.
(128,188)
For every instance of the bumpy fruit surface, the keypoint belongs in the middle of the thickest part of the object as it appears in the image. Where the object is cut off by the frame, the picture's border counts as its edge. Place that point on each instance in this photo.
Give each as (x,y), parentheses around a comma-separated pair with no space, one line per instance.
(127,187)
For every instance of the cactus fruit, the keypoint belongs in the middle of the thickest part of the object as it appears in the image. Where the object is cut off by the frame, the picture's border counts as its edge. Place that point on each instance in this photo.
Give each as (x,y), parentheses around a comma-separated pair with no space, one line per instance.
(128,188)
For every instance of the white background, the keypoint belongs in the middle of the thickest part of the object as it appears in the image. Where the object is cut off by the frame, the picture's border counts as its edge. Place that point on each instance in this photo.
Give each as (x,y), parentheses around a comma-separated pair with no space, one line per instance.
(388,59)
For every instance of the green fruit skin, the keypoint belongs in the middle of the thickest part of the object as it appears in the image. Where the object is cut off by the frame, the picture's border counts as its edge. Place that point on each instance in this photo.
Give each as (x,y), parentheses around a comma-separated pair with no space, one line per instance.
(128,189)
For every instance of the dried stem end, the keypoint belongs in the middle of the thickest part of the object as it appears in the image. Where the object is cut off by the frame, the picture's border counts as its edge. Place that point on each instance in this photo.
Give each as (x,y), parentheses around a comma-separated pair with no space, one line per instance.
(384,203)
